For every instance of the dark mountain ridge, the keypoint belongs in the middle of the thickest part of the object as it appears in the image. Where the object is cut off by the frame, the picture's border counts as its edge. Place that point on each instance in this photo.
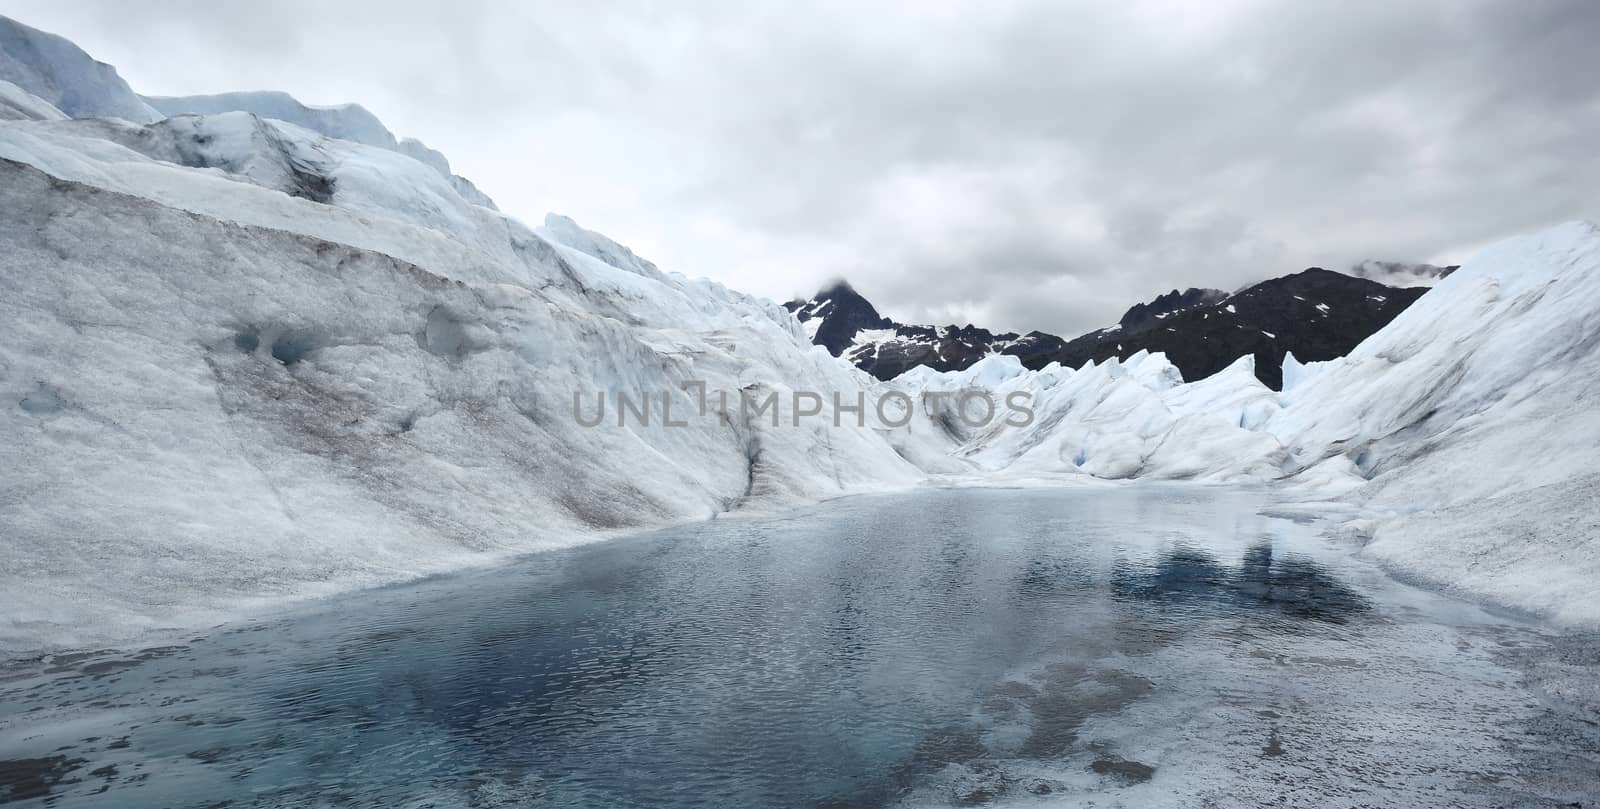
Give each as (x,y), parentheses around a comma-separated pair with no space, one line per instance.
(1317,314)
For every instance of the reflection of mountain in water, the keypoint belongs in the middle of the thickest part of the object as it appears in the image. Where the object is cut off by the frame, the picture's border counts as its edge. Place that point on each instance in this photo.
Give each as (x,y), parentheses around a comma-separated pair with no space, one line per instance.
(1286,583)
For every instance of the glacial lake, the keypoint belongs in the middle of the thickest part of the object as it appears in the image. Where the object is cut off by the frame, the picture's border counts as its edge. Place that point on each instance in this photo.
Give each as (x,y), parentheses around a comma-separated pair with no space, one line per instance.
(1137,646)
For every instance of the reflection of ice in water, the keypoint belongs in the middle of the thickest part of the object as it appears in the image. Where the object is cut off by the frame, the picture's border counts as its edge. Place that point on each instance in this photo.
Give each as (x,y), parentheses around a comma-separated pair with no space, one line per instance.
(1301,692)
(1126,646)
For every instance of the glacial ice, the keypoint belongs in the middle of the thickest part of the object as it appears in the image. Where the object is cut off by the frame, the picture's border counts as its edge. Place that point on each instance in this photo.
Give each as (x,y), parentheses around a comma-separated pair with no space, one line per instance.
(66,78)
(245,360)
(17,104)
(351,122)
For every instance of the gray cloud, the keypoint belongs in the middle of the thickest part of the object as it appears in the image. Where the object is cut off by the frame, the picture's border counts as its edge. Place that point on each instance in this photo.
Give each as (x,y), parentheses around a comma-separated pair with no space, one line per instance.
(1021,165)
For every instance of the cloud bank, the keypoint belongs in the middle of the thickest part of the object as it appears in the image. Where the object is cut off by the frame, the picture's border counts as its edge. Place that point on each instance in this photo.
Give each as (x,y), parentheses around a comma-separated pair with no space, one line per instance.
(1016,164)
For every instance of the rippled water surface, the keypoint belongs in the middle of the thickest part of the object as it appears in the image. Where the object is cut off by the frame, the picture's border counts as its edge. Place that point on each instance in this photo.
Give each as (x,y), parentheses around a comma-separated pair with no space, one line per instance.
(1133,646)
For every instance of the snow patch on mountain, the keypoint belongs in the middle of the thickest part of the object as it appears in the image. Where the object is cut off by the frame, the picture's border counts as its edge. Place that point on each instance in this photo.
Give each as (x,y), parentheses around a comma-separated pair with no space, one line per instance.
(1316,313)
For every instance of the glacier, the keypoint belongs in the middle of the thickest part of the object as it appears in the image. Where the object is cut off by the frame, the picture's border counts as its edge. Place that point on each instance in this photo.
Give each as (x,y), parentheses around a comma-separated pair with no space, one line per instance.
(61,75)
(256,351)
(226,409)
(17,104)
(351,122)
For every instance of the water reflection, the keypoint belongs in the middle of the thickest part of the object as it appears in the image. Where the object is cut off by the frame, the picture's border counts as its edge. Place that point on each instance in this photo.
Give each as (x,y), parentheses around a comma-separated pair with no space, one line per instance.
(1287,584)
(834,659)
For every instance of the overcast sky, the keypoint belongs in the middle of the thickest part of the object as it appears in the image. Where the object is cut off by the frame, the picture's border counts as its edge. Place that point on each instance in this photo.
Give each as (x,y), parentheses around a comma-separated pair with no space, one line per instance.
(1019,165)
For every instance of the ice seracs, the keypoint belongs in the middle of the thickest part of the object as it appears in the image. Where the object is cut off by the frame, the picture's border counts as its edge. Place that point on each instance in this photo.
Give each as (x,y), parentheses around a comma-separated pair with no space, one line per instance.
(1133,419)
(351,122)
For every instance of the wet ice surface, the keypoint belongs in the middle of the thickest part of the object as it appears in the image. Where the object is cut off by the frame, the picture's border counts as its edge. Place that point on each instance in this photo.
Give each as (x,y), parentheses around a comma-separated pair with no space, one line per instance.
(1138,646)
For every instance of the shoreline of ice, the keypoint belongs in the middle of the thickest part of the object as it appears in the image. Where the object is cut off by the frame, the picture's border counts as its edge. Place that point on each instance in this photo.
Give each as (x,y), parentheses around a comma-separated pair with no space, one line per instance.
(1340,521)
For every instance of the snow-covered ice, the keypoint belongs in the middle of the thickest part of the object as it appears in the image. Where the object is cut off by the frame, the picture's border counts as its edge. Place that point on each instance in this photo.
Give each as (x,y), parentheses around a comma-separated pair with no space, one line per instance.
(17,104)
(351,122)
(63,76)
(218,398)
(1474,416)
(268,350)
